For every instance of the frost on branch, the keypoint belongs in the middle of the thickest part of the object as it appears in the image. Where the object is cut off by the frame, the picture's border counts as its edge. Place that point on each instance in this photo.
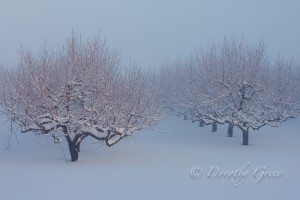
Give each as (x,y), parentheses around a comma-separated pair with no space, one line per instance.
(235,83)
(79,90)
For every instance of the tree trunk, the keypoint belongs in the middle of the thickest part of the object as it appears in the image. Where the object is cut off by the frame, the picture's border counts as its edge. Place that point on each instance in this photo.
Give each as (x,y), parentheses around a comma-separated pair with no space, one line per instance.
(73,151)
(78,147)
(245,137)
(230,130)
(214,127)
(201,123)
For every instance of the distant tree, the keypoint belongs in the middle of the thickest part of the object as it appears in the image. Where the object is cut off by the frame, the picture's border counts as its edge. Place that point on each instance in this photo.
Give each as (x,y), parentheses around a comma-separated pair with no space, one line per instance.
(81,91)
(235,83)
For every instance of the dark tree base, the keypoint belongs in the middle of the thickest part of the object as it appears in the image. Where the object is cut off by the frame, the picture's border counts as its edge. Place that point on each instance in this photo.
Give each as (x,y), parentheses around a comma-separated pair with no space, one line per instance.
(201,123)
(73,152)
(185,117)
(214,127)
(245,137)
(230,130)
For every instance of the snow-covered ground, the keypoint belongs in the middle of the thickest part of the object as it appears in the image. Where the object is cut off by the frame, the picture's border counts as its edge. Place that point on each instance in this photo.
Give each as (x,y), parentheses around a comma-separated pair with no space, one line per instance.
(156,165)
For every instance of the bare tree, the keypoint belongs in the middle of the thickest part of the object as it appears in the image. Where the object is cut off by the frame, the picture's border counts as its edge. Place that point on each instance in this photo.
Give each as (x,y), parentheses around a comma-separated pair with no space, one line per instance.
(81,91)
(235,83)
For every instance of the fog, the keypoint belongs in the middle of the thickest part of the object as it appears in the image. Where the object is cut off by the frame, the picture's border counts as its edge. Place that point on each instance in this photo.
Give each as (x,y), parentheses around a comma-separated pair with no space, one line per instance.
(149,33)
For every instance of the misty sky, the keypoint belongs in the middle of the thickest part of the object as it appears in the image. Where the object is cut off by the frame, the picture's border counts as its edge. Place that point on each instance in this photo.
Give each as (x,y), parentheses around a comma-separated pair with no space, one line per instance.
(150,32)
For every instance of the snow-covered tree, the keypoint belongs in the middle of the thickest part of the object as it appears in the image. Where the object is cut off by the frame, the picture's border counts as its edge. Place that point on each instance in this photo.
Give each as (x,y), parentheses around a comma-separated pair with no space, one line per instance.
(78,91)
(235,83)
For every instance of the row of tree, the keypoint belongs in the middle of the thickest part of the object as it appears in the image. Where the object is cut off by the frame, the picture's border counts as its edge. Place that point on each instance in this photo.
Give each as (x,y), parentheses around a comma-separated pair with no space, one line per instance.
(80,90)
(233,83)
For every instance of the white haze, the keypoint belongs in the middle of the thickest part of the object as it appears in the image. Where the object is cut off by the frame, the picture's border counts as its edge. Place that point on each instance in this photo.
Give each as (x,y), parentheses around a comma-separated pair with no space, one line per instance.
(149,32)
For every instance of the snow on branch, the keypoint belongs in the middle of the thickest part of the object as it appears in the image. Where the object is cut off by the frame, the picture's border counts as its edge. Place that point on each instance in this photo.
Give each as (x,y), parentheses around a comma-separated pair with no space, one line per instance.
(79,90)
(233,83)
